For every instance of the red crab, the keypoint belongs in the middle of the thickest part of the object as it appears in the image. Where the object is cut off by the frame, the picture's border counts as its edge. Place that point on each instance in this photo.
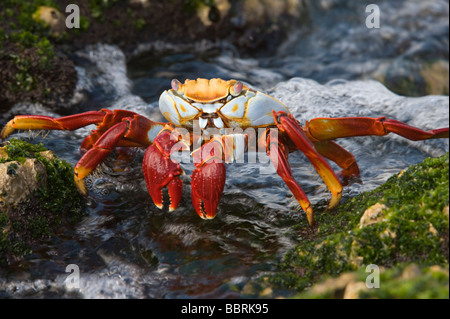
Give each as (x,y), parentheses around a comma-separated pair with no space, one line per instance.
(222,106)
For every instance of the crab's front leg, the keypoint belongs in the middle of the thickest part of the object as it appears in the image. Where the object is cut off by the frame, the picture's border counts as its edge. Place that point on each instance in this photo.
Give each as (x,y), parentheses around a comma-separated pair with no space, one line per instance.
(208,179)
(135,131)
(161,171)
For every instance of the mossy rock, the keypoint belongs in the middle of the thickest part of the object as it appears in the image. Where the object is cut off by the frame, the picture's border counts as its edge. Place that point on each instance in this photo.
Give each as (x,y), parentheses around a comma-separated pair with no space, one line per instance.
(403,221)
(415,78)
(31,69)
(48,203)
(407,281)
(36,44)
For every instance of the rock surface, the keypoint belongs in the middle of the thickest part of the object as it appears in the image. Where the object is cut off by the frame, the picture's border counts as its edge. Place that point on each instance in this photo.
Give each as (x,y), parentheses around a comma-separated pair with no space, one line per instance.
(36,44)
(406,282)
(18,181)
(414,229)
(37,197)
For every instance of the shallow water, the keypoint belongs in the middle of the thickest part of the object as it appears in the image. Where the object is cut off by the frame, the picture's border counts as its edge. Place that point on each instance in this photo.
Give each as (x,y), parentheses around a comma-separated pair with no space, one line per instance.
(127,248)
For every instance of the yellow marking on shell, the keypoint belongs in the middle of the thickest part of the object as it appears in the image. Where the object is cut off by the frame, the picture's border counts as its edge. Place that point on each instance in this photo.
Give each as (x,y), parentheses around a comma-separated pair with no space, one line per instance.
(235,108)
(183,109)
(204,90)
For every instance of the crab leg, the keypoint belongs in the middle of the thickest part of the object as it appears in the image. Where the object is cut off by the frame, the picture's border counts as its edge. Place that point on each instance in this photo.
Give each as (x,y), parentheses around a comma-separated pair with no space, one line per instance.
(208,179)
(161,171)
(279,156)
(41,122)
(134,130)
(110,119)
(342,157)
(287,124)
(332,128)
(104,118)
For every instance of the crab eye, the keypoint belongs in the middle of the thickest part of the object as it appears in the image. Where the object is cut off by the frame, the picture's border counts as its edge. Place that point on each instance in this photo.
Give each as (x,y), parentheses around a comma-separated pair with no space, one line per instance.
(237,88)
(176,85)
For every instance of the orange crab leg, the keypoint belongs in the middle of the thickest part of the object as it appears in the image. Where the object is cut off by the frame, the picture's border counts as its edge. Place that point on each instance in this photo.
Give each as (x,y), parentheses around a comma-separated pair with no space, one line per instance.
(41,122)
(110,119)
(100,150)
(279,156)
(332,128)
(342,157)
(287,124)
(131,130)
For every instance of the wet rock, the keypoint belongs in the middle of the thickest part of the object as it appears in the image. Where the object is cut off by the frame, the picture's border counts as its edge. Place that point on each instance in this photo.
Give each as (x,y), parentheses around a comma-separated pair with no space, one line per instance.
(410,228)
(52,18)
(36,45)
(31,69)
(38,197)
(29,75)
(414,79)
(141,21)
(409,281)
(334,287)
(18,181)
(209,15)
(372,215)
(308,99)
(143,3)
(353,290)
(436,76)
(407,53)
(255,11)
(410,272)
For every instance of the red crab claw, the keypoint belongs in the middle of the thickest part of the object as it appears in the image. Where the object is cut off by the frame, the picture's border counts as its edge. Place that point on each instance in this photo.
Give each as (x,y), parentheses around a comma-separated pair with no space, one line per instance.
(161,171)
(208,179)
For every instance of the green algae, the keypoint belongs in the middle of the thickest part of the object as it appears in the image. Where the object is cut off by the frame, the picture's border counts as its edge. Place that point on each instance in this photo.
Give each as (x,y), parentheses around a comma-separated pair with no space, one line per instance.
(31,68)
(413,229)
(406,281)
(54,205)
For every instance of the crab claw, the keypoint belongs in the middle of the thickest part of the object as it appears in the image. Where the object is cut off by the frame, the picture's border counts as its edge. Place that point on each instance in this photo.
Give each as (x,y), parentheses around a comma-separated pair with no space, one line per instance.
(160,171)
(207,187)
(207,181)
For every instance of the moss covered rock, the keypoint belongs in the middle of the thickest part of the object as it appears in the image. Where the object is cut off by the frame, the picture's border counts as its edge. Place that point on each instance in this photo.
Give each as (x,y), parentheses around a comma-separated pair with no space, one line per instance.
(35,43)
(401,222)
(38,198)
(31,69)
(407,281)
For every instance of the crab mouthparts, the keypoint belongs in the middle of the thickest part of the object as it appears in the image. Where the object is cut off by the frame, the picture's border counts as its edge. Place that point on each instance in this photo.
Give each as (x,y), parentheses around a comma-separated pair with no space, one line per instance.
(210,120)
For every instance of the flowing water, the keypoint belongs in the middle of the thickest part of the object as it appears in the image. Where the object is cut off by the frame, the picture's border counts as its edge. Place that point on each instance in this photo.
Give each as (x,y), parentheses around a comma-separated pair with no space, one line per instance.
(127,248)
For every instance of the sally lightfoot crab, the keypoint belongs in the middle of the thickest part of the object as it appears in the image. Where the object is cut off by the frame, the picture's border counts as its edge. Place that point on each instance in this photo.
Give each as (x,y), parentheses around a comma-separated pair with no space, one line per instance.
(214,120)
